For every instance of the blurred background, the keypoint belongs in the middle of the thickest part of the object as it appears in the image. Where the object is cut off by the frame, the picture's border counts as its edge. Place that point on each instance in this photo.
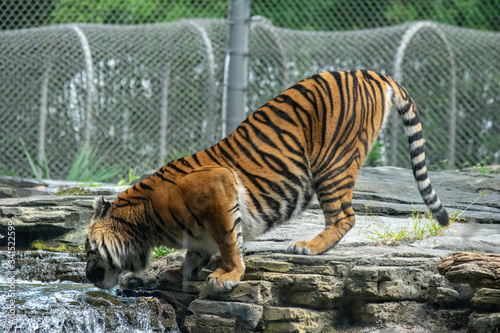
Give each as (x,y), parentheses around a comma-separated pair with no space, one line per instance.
(105,90)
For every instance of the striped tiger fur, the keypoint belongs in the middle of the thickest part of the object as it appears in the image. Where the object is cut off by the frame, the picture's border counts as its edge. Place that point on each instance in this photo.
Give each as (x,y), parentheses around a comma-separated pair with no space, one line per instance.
(311,139)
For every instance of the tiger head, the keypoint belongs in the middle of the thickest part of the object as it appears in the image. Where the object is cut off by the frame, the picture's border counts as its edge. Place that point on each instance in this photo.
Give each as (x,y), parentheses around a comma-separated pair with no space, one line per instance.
(111,248)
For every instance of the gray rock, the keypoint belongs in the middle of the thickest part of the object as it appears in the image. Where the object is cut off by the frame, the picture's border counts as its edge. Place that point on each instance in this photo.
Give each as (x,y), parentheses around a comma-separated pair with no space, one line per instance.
(242,317)
(51,218)
(487,299)
(484,323)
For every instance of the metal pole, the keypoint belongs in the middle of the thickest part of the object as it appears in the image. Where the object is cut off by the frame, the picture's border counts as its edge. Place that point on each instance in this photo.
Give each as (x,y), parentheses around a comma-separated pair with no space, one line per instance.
(237,64)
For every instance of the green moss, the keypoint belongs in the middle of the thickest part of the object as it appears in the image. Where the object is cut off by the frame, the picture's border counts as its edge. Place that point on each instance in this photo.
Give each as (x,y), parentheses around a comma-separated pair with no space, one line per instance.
(74,191)
(40,245)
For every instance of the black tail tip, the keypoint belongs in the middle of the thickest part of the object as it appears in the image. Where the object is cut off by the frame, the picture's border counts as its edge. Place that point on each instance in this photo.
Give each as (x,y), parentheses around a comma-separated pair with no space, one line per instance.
(442,217)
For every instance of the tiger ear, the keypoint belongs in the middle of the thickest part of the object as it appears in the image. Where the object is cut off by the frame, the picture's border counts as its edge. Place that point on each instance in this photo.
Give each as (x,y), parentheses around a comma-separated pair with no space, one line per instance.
(101,207)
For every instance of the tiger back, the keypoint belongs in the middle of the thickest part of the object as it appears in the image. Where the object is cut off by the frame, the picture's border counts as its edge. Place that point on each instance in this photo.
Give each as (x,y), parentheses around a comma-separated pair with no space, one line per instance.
(311,139)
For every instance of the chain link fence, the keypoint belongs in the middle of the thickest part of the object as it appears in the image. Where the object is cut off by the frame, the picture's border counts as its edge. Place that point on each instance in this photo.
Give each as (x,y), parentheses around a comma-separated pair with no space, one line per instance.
(140,83)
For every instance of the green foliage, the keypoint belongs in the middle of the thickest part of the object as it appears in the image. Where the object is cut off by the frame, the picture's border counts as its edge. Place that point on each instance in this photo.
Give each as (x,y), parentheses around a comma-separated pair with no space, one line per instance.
(110,11)
(464,13)
(16,14)
(481,167)
(161,251)
(87,166)
(376,154)
(132,175)
(39,171)
(5,171)
(176,154)
(135,11)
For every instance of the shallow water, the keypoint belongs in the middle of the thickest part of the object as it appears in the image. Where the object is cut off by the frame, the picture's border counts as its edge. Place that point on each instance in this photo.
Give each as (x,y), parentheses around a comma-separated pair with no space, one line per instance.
(65,306)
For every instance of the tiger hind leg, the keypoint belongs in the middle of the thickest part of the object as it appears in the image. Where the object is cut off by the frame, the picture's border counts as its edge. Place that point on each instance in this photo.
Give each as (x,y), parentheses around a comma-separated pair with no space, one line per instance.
(339,219)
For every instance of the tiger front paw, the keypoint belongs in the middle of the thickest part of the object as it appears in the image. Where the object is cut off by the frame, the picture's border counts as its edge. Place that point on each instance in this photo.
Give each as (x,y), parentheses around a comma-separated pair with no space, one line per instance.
(303,247)
(222,281)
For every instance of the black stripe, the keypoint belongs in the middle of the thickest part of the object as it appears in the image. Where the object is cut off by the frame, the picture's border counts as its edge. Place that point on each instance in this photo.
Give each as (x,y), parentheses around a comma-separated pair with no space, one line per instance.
(260,211)
(411,122)
(138,198)
(320,163)
(418,166)
(234,208)
(121,220)
(227,142)
(165,179)
(171,165)
(280,132)
(197,220)
(292,199)
(404,109)
(196,160)
(108,256)
(185,163)
(161,226)
(421,177)
(379,85)
(416,152)
(415,137)
(370,98)
(145,187)
(211,156)
(297,108)
(235,223)
(324,123)
(120,198)
(181,226)
(307,200)
(324,192)
(266,121)
(282,114)
(245,151)
(426,191)
(334,169)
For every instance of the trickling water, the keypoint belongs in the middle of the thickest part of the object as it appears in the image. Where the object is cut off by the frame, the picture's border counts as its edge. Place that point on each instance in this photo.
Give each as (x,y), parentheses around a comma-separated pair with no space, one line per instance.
(65,306)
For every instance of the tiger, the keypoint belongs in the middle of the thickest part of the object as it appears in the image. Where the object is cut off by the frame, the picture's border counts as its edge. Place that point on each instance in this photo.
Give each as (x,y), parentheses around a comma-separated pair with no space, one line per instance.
(311,139)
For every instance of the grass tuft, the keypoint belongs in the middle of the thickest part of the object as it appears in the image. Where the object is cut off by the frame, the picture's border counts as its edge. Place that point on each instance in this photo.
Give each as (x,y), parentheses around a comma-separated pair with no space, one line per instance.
(161,251)
(39,171)
(422,226)
(87,166)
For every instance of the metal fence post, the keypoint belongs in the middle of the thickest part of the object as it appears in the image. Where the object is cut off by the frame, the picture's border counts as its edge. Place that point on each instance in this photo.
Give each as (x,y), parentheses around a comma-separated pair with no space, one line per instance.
(236,75)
